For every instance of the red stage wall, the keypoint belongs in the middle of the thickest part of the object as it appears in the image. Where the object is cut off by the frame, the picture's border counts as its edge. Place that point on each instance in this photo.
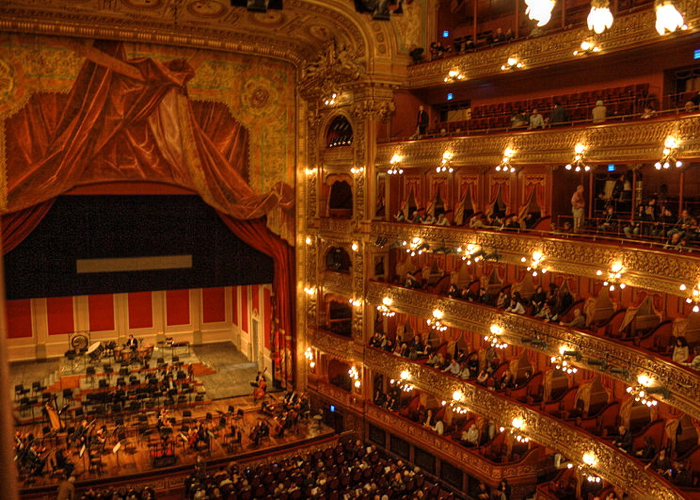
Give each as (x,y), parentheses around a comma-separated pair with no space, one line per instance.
(101,310)
(19,319)
(140,310)
(59,312)
(178,307)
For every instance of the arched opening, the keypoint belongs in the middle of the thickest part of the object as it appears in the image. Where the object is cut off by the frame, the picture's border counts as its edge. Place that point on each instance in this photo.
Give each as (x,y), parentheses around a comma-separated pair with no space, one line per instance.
(337,259)
(339,133)
(340,318)
(340,200)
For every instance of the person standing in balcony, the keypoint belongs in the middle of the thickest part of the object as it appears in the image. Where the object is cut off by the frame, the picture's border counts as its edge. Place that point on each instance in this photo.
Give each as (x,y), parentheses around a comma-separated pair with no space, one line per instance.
(536,120)
(422,121)
(578,206)
(599,112)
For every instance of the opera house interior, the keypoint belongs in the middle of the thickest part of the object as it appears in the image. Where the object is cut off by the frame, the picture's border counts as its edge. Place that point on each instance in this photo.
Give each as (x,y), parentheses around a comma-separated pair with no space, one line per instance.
(341,249)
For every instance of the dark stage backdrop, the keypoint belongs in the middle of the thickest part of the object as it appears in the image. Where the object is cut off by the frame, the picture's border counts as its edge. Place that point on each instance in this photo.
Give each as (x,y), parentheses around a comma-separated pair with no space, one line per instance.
(98,227)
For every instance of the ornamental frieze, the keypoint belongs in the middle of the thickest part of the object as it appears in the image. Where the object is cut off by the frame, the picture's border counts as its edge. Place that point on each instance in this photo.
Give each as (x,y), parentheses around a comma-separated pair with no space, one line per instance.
(613,465)
(340,227)
(656,270)
(335,345)
(340,283)
(615,142)
(683,384)
(338,395)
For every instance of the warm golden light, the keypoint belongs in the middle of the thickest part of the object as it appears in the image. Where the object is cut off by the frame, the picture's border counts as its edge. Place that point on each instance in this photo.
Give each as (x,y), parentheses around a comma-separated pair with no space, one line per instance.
(457,395)
(518,423)
(496,330)
(590,459)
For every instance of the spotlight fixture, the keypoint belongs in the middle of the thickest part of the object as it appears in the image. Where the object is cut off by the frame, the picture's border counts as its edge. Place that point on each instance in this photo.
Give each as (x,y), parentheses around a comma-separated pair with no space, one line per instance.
(614,277)
(577,163)
(494,338)
(539,10)
(416,246)
(561,361)
(445,164)
(381,241)
(435,322)
(603,364)
(395,168)
(588,46)
(535,263)
(505,165)
(383,308)
(622,372)
(667,17)
(600,18)
(457,404)
(472,253)
(512,63)
(515,428)
(668,156)
(534,342)
(694,297)
(454,76)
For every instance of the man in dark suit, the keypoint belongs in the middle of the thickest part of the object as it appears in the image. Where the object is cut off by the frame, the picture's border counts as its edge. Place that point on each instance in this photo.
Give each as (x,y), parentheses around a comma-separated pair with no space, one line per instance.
(422,121)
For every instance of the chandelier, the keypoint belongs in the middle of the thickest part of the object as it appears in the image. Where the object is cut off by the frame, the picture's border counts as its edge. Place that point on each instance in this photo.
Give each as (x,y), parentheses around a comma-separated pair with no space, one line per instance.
(512,63)
(535,263)
(600,18)
(445,164)
(395,168)
(614,277)
(454,76)
(493,338)
(642,391)
(561,362)
(457,403)
(505,165)
(416,246)
(435,322)
(471,254)
(668,156)
(694,296)
(578,162)
(539,10)
(514,429)
(383,308)
(587,467)
(403,382)
(668,18)
(588,46)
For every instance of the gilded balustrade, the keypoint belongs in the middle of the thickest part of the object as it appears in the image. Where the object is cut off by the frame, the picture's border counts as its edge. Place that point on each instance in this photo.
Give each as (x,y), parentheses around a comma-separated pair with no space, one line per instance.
(683,384)
(661,271)
(612,464)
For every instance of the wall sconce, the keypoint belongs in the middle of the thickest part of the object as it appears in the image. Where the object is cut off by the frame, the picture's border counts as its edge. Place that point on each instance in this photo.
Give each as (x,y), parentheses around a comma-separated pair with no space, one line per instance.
(457,403)
(516,426)
(309,355)
(435,322)
(577,163)
(535,263)
(589,462)
(588,46)
(355,246)
(355,302)
(445,164)
(668,18)
(512,63)
(357,170)
(308,240)
(454,76)
(614,275)
(539,10)
(355,376)
(310,290)
(415,246)
(310,171)
(331,99)
(505,165)
(562,363)
(694,297)
(600,18)
(404,382)
(395,168)
(668,156)
(494,338)
(471,253)
(384,310)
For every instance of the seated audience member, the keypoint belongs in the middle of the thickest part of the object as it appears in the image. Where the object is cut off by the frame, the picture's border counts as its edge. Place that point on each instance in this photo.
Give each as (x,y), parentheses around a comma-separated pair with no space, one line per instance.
(536,120)
(538,299)
(681,351)
(648,112)
(503,300)
(578,321)
(399,217)
(453,368)
(558,115)
(608,223)
(516,304)
(439,427)
(519,120)
(546,313)
(648,451)
(661,464)
(429,219)
(453,291)
(599,112)
(675,242)
(442,220)
(482,492)
(485,297)
(695,363)
(624,439)
(410,281)
(470,437)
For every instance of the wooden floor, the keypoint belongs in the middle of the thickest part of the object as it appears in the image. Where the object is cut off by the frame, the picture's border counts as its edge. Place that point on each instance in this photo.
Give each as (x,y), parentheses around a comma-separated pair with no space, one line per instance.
(138,461)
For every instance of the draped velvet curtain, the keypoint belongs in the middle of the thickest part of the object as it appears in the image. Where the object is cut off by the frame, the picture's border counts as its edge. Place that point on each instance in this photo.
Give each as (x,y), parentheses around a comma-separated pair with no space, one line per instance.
(132,120)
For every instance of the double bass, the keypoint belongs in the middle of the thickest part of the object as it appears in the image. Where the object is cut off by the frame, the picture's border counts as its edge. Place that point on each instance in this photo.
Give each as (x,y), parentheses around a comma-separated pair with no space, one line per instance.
(261,389)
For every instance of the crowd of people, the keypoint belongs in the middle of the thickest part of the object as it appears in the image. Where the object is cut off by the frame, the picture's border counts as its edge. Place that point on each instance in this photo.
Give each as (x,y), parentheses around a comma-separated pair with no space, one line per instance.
(351,469)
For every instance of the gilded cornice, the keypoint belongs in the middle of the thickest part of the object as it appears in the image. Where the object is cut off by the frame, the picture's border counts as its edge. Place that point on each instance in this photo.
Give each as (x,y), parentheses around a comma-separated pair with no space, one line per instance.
(621,142)
(339,157)
(629,31)
(339,228)
(337,395)
(613,465)
(450,450)
(661,271)
(337,346)
(339,283)
(683,384)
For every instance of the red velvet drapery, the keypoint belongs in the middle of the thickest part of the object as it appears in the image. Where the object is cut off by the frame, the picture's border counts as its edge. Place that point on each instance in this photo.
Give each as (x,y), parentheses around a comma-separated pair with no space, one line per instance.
(256,234)
(17,226)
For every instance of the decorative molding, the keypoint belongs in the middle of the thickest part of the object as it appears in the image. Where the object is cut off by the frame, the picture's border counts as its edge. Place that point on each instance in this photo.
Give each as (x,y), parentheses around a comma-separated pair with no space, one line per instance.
(337,346)
(654,270)
(613,465)
(339,283)
(622,142)
(683,384)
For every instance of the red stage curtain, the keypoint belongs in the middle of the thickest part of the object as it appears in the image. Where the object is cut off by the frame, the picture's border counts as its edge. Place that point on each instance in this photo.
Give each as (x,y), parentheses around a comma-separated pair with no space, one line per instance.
(256,234)
(17,226)
(131,120)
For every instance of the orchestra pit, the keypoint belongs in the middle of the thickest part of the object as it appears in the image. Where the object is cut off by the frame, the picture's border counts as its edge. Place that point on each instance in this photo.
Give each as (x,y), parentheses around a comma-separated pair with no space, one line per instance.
(350,249)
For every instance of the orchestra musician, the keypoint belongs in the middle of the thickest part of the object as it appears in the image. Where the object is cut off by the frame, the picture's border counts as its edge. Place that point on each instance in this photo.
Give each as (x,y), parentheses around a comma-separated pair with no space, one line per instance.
(261,388)
(259,431)
(132,343)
